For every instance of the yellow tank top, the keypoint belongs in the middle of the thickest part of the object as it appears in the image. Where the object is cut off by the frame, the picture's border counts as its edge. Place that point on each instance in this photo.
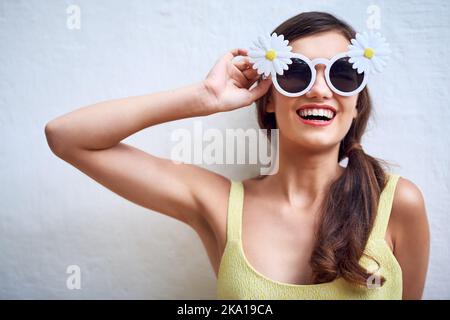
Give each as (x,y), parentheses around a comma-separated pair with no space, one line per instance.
(237,279)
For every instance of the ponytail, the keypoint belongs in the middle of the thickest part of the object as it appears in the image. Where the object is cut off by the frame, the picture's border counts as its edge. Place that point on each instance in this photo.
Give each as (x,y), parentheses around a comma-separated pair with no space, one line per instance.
(349,211)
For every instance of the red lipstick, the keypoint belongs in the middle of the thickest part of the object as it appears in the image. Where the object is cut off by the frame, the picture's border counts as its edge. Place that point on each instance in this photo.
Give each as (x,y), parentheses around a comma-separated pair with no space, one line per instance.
(317,123)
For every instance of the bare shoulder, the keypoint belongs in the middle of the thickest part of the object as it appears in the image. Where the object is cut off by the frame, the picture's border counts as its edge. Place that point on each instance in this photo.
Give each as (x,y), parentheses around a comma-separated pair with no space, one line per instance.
(411,237)
(409,221)
(408,213)
(408,202)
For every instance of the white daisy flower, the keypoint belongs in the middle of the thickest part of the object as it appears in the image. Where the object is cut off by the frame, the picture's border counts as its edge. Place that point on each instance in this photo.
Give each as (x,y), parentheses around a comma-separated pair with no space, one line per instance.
(369,52)
(270,55)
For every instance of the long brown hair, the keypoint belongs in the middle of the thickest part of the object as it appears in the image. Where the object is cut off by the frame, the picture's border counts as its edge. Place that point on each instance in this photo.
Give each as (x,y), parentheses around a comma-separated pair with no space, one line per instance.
(349,209)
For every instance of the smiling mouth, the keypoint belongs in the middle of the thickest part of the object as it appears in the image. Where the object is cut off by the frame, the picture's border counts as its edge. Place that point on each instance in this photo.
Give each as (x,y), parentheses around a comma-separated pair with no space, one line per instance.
(317,118)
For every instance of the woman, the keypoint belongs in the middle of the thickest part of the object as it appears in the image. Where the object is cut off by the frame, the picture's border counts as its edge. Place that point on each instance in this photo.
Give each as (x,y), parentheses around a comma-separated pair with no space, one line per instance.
(312,230)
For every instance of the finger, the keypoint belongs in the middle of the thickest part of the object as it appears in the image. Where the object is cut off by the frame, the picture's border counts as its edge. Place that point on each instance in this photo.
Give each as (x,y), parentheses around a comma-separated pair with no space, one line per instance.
(239,52)
(245,66)
(251,74)
(238,73)
(234,53)
(228,57)
(246,75)
(245,69)
(262,87)
(241,79)
(242,64)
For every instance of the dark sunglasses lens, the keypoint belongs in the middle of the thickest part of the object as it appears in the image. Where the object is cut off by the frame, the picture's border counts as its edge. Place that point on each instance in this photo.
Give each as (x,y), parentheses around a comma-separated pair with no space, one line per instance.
(344,77)
(296,78)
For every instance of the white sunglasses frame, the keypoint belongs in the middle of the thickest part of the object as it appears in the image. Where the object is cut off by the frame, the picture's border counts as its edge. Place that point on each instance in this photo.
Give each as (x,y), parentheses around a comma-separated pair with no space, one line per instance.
(312,64)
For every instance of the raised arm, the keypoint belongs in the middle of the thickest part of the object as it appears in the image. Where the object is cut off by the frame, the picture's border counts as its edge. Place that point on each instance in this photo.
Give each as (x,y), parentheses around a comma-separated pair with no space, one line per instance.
(89,138)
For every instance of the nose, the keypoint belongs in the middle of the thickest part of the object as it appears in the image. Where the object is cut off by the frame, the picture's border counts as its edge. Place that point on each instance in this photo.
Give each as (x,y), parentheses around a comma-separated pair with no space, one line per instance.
(320,89)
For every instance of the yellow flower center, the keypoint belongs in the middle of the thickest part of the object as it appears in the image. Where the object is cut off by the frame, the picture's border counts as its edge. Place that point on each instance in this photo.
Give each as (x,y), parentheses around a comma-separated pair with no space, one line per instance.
(271,54)
(369,53)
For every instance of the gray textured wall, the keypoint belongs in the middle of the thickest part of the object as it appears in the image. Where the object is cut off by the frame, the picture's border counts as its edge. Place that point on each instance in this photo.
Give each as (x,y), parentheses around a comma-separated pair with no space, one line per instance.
(53,216)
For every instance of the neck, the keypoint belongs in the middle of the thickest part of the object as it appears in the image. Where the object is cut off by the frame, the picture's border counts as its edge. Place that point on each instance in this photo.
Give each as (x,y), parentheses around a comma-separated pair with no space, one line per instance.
(304,175)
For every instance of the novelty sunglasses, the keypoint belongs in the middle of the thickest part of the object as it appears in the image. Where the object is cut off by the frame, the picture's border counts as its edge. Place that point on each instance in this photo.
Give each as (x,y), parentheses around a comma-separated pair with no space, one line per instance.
(294,74)
(301,76)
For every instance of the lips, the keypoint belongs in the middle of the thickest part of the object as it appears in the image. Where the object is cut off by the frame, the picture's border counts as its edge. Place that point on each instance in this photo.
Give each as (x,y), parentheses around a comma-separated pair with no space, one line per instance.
(317,106)
(316,122)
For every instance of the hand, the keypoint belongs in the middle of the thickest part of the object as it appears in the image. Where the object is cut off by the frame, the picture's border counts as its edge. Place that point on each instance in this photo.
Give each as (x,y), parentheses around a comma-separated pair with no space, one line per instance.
(227,84)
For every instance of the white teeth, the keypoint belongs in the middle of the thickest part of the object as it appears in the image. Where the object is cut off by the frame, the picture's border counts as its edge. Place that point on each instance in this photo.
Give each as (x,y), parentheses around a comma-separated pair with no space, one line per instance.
(317,112)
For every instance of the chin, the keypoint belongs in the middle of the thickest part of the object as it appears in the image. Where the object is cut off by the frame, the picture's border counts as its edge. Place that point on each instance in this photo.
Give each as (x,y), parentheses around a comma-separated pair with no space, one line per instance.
(316,142)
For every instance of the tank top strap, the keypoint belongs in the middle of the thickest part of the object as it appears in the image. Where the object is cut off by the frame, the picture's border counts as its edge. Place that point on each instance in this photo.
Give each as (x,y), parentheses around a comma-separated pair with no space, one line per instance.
(384,208)
(234,215)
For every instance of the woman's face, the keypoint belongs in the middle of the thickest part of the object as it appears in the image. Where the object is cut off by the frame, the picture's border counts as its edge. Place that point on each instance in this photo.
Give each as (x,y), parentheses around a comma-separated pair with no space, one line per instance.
(322,45)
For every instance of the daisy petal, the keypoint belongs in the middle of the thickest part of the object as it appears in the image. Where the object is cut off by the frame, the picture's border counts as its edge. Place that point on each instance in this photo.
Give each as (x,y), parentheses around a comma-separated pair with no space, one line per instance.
(284,65)
(286,60)
(362,41)
(273,40)
(277,66)
(355,53)
(376,64)
(267,67)
(284,55)
(382,62)
(264,43)
(383,52)
(356,64)
(258,66)
(367,65)
(258,53)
